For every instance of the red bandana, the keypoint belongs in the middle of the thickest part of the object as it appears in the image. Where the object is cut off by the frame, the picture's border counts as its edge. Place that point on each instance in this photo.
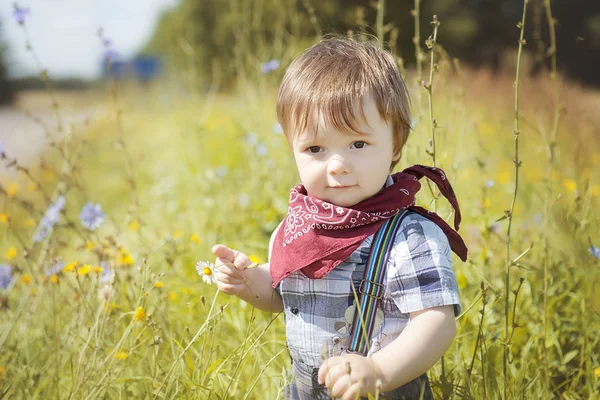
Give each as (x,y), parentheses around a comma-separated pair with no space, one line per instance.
(316,235)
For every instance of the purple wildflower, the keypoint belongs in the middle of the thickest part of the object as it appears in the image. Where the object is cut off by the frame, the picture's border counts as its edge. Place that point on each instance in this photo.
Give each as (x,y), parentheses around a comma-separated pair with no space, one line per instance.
(5,276)
(106,42)
(2,153)
(20,13)
(269,66)
(91,216)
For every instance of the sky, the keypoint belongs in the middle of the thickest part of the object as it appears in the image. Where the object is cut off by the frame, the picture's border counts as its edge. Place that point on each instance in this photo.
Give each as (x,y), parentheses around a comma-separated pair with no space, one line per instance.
(64,33)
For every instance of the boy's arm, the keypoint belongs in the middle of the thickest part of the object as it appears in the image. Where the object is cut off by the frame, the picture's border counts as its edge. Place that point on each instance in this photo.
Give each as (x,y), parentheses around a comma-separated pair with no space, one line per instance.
(420,345)
(258,290)
(253,285)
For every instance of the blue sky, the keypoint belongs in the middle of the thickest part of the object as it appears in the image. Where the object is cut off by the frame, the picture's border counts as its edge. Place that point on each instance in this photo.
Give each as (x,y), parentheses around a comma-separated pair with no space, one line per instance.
(63,33)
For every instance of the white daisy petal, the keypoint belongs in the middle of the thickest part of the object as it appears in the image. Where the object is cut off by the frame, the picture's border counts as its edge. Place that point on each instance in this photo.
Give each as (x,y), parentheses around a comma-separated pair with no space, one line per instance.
(207,271)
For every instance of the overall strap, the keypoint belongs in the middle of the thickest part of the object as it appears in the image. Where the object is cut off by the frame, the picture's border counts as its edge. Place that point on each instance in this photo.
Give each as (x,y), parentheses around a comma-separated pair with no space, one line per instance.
(371,287)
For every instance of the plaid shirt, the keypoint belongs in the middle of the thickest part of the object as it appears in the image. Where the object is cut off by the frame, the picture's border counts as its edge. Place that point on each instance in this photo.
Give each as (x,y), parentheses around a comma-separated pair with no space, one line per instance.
(318,311)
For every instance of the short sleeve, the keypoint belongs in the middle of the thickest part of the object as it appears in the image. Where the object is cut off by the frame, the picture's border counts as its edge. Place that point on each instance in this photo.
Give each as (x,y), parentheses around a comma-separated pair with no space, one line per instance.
(271,241)
(419,272)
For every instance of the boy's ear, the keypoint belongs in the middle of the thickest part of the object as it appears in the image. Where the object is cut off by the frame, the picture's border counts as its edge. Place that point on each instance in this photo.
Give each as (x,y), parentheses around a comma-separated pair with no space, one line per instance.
(397,155)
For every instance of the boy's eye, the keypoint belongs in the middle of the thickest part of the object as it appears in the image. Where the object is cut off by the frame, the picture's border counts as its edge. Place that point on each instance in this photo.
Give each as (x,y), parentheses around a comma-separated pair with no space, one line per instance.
(314,149)
(359,145)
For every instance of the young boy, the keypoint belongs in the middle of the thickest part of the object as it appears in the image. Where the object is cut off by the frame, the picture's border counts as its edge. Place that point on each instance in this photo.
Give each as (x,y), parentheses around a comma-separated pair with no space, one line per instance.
(344,109)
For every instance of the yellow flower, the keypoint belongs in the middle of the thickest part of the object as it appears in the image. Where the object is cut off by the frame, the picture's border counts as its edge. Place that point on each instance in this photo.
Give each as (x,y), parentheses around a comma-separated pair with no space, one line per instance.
(595,190)
(254,258)
(486,202)
(124,258)
(140,314)
(97,269)
(70,267)
(503,178)
(570,185)
(121,355)
(11,253)
(486,129)
(133,226)
(159,285)
(597,372)
(84,270)
(4,218)
(172,296)
(1,371)
(461,280)
(177,234)
(194,238)
(89,245)
(29,223)
(26,279)
(32,187)
(54,278)
(12,189)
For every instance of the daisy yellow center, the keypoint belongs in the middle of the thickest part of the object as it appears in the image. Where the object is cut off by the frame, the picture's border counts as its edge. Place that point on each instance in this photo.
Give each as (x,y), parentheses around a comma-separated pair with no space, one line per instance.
(207,271)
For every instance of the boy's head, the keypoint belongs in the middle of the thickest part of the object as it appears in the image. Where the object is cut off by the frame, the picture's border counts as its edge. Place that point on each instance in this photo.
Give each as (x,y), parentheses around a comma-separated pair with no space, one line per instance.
(344,109)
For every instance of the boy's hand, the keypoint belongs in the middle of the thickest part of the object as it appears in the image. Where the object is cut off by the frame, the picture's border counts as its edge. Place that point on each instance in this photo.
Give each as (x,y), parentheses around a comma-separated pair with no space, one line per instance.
(231,265)
(350,376)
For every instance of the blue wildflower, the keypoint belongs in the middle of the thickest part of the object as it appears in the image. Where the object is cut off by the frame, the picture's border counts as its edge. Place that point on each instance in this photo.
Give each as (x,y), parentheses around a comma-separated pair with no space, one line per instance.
(5,276)
(20,13)
(595,251)
(251,138)
(269,66)
(2,153)
(50,218)
(221,171)
(91,216)
(261,150)
(107,274)
(277,128)
(111,55)
(56,269)
(106,42)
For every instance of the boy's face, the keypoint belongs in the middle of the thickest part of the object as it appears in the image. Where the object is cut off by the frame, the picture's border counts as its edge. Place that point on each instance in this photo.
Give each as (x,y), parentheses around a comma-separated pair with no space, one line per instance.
(346,168)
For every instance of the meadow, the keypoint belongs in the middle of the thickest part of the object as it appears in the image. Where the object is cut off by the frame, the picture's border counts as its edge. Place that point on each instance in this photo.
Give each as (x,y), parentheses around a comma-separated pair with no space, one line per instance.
(99,238)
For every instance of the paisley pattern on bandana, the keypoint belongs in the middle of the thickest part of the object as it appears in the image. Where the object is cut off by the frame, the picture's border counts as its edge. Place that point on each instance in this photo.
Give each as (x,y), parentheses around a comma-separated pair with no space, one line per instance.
(318,235)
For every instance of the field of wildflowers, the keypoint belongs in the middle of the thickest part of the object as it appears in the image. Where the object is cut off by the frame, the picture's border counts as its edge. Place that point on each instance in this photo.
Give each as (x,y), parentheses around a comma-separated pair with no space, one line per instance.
(99,239)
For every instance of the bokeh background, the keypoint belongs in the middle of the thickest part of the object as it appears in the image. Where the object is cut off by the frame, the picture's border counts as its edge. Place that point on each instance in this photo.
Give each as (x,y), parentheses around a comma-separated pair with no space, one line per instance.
(135,135)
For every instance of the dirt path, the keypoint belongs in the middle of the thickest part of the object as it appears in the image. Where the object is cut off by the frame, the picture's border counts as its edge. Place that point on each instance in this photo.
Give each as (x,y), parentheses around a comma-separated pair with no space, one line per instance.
(24,138)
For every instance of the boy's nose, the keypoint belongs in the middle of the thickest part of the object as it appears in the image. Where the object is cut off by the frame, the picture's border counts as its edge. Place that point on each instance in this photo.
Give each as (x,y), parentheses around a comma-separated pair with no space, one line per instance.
(338,166)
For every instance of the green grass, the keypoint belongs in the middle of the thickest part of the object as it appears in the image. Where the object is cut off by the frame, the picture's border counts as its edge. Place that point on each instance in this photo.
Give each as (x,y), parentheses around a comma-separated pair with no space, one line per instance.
(78,339)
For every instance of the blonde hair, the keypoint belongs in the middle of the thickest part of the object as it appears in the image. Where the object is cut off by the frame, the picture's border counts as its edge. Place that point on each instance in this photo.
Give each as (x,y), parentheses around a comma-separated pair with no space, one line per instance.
(332,78)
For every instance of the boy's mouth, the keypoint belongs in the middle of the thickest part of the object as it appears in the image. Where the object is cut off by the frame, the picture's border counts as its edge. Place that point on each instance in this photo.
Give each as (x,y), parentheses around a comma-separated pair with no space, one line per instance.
(342,186)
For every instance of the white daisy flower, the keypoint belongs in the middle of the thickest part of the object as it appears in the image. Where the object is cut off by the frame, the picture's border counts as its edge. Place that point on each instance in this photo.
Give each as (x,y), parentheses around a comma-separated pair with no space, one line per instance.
(207,271)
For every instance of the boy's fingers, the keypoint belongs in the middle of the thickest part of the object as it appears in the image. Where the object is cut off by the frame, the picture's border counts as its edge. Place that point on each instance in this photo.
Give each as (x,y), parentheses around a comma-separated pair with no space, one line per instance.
(327,366)
(229,271)
(224,253)
(242,261)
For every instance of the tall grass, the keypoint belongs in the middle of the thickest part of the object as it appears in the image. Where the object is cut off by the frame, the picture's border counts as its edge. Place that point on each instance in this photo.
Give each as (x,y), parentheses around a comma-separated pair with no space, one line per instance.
(176,174)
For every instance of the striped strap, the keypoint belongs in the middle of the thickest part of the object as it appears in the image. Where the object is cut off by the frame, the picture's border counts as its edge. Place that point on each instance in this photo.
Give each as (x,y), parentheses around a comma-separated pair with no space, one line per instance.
(371,287)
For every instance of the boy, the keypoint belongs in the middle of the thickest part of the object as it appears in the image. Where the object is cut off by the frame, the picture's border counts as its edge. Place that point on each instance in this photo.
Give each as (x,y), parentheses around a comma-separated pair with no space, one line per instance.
(344,109)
